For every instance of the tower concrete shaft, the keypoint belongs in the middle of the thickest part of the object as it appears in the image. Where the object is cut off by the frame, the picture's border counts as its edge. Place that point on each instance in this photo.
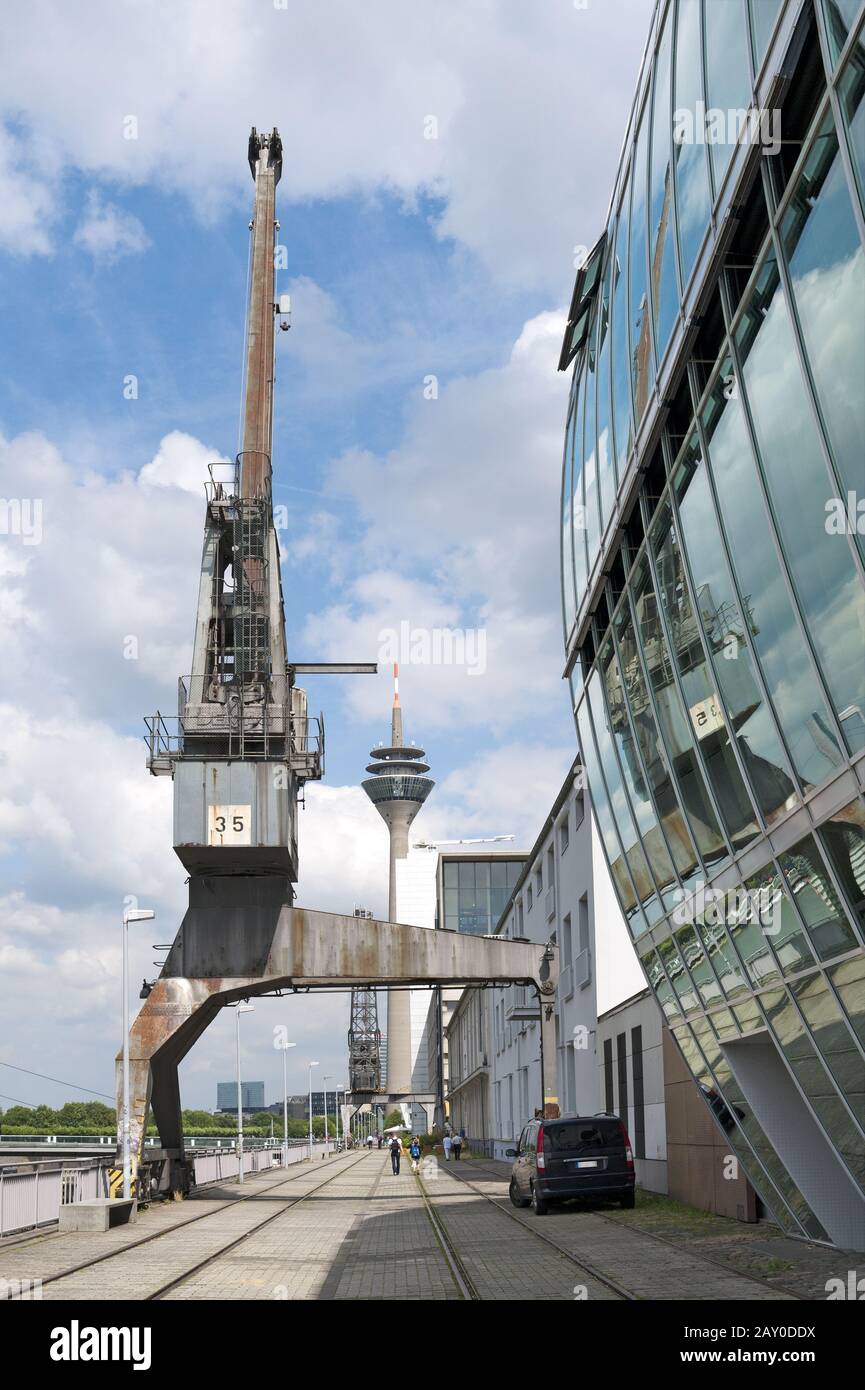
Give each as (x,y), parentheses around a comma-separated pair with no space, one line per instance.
(398,789)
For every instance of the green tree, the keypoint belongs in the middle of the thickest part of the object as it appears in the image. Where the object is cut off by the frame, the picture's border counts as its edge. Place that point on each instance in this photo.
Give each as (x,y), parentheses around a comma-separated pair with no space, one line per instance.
(393,1117)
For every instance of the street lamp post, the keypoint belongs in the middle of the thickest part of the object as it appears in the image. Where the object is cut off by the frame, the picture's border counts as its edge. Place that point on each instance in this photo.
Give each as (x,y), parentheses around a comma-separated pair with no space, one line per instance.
(240,1009)
(324,1081)
(311,1065)
(136,915)
(285,1047)
(339,1087)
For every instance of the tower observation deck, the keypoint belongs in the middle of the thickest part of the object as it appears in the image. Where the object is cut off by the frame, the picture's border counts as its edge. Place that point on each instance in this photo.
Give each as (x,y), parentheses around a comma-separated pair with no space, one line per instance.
(397,787)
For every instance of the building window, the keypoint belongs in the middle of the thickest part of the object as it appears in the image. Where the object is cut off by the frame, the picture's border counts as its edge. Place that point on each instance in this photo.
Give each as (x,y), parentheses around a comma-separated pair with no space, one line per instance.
(609,1099)
(539,881)
(639,1135)
(564,836)
(529,897)
(622,1071)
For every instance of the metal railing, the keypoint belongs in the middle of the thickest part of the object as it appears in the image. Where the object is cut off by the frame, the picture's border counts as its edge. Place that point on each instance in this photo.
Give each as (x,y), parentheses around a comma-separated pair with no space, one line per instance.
(33,1196)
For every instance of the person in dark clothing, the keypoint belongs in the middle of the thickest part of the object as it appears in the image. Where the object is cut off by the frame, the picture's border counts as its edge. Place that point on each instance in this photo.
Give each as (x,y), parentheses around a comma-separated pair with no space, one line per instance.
(395,1153)
(457,1145)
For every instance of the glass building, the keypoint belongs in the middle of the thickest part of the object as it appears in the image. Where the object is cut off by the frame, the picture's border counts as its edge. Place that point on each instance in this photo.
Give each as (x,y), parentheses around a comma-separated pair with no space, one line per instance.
(713,573)
(474,892)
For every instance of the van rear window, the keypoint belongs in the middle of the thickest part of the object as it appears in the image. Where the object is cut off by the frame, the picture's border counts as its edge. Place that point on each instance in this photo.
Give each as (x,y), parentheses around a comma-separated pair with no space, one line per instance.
(576,1135)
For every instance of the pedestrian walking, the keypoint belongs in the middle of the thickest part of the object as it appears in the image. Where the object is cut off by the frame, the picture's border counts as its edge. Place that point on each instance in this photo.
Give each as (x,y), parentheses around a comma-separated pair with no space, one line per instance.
(414,1153)
(447,1141)
(369,1142)
(395,1154)
(380,1140)
(457,1146)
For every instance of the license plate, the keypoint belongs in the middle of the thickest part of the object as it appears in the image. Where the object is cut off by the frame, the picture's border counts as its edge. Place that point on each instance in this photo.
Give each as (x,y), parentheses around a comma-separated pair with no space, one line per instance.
(588,1163)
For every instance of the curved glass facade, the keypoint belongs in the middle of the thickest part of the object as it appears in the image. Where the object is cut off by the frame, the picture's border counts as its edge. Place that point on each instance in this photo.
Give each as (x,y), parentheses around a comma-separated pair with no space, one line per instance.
(713,574)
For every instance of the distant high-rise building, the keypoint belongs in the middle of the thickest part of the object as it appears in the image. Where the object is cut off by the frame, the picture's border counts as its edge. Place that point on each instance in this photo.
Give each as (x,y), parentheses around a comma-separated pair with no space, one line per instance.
(251,1095)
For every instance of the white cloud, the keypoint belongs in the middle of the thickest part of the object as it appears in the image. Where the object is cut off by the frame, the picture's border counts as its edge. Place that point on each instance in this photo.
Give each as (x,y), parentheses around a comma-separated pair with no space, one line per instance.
(26,199)
(109,233)
(514,89)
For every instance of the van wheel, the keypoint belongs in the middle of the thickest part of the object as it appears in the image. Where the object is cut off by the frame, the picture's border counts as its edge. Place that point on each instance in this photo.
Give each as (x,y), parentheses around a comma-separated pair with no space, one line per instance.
(514,1194)
(628,1201)
(539,1206)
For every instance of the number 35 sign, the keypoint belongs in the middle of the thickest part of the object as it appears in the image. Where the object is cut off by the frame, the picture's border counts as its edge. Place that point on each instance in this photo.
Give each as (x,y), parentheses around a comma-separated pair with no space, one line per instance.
(229,825)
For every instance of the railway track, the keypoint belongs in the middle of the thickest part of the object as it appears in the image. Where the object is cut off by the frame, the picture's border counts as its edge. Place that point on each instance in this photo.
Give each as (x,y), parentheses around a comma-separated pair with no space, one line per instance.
(504,1204)
(270,1189)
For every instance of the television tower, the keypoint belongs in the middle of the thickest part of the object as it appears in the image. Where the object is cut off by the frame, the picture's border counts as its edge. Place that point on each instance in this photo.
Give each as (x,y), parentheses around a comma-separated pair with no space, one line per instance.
(397,788)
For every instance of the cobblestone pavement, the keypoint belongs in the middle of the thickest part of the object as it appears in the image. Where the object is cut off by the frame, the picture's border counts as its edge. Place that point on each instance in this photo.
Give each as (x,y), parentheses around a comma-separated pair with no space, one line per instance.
(360,1233)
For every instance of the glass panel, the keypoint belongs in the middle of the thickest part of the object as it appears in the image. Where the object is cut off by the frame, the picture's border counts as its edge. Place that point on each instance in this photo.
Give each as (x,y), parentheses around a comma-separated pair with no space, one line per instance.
(840,16)
(619,803)
(590,471)
(779,920)
(832,1037)
(797,698)
(763,14)
(642,364)
(827,267)
(644,812)
(843,838)
(698,683)
(851,89)
(815,1084)
(720,951)
(821,564)
(816,899)
(578,504)
(692,178)
(849,980)
(621,397)
(698,964)
(748,936)
(675,730)
(606,475)
(662,988)
(648,752)
(601,807)
(728,78)
(450,874)
(759,745)
(569,596)
(671,958)
(665,291)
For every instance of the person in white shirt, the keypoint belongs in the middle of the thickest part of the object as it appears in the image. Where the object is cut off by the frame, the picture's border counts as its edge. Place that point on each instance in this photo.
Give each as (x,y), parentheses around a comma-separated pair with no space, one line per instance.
(447,1146)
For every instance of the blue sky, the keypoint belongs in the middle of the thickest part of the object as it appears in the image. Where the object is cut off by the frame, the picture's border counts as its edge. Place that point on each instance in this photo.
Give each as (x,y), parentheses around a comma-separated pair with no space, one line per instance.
(407,258)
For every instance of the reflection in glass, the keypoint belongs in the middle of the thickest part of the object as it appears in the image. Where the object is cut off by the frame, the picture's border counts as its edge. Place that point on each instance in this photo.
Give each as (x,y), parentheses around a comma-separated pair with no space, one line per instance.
(665,292)
(674,965)
(816,899)
(759,745)
(621,396)
(827,267)
(692,177)
(840,17)
(698,684)
(763,15)
(821,564)
(832,1036)
(749,937)
(848,979)
(674,729)
(808,1071)
(793,687)
(720,951)
(648,753)
(843,838)
(851,90)
(661,988)
(698,964)
(618,726)
(569,596)
(642,363)
(590,471)
(728,77)
(578,506)
(779,921)
(620,804)
(603,813)
(606,461)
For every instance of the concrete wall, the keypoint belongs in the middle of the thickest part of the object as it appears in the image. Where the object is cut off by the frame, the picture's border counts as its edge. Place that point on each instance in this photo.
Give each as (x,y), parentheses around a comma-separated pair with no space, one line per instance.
(649,1138)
